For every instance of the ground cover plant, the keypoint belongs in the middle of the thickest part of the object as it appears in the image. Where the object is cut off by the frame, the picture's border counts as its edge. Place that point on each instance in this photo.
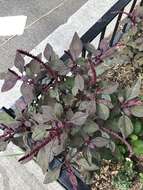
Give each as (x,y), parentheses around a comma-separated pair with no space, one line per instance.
(75,110)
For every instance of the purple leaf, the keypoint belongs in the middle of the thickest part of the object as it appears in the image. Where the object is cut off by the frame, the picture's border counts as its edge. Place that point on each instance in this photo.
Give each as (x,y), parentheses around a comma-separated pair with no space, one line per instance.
(76,47)
(48,113)
(104,45)
(28,156)
(9,82)
(49,53)
(20,104)
(79,118)
(27,92)
(108,53)
(19,62)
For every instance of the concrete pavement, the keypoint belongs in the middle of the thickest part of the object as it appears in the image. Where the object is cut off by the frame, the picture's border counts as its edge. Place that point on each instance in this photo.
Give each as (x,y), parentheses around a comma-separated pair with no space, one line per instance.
(43,18)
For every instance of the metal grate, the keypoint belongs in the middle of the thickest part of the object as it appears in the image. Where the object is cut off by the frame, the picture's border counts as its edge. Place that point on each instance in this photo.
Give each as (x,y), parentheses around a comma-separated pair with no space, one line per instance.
(101,25)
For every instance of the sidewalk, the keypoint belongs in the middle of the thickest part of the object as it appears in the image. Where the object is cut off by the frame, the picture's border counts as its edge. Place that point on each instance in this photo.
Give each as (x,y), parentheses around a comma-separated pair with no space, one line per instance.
(43,18)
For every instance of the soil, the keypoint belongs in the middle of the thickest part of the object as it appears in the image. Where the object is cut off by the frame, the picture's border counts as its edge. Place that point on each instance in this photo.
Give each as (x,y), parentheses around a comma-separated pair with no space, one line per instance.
(104,181)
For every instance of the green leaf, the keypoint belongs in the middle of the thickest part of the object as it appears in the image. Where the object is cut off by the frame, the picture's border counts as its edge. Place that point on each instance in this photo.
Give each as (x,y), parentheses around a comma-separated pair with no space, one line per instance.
(75,130)
(78,85)
(52,175)
(90,127)
(81,61)
(5,118)
(88,156)
(19,62)
(76,47)
(100,142)
(111,146)
(125,125)
(138,147)
(76,141)
(103,111)
(69,83)
(58,110)
(38,133)
(54,93)
(79,118)
(87,166)
(137,111)
(135,90)
(138,127)
(106,154)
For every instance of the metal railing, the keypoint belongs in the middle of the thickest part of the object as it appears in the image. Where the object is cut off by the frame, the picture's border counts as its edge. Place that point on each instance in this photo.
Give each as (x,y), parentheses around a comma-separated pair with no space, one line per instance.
(101,25)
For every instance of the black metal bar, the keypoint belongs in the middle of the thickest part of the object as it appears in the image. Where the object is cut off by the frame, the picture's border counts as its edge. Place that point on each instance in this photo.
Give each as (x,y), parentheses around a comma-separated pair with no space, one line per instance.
(64,177)
(131,10)
(116,27)
(83,52)
(104,21)
(141,4)
(99,26)
(102,37)
(9,111)
(133,6)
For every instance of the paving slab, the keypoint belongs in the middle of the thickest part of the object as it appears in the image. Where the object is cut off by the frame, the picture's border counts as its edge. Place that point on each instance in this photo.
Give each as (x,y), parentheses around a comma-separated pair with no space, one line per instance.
(15,176)
(54,14)
(33,9)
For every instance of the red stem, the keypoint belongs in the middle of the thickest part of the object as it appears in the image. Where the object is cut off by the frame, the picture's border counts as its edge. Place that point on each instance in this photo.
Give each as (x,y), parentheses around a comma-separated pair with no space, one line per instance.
(49,70)
(133,102)
(14,73)
(53,134)
(94,77)
(109,131)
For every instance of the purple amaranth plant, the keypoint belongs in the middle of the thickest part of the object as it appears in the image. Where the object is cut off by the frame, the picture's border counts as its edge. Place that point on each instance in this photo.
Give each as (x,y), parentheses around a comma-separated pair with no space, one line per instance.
(75,115)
